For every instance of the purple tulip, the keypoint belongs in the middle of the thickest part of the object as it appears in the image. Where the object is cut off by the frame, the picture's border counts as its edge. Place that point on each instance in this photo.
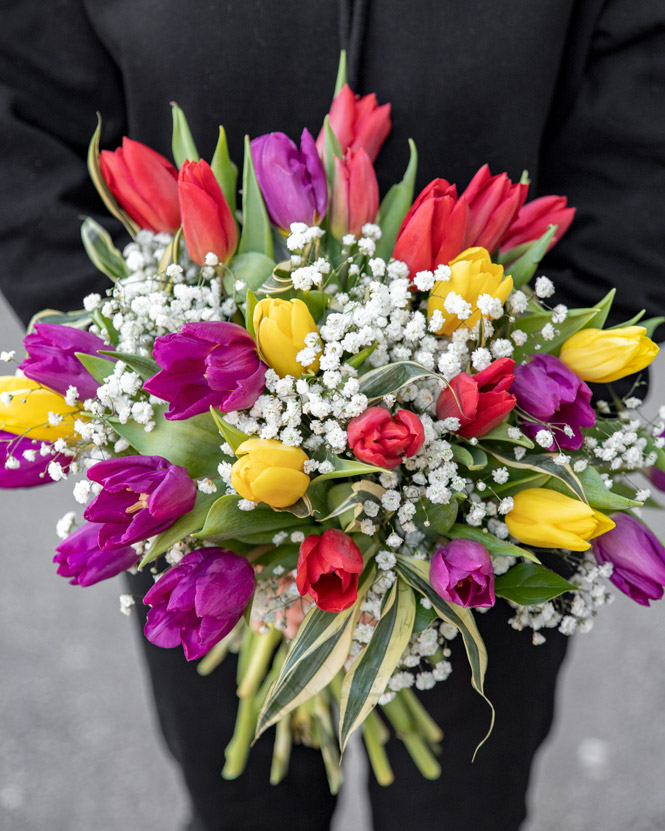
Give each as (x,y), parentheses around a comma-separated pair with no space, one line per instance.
(29,473)
(52,358)
(637,556)
(81,558)
(549,391)
(207,365)
(461,572)
(142,496)
(656,475)
(293,182)
(198,601)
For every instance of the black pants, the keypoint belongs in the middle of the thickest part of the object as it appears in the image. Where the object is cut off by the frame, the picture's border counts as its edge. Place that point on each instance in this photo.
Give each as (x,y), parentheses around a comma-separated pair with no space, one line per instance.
(197,717)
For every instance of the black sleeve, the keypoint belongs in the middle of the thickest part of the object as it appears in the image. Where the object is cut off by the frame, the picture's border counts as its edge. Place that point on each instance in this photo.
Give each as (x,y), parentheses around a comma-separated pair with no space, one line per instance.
(605,150)
(54,75)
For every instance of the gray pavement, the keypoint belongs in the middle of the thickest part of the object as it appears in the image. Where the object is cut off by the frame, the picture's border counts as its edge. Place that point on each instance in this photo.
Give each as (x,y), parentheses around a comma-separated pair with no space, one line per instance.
(79,748)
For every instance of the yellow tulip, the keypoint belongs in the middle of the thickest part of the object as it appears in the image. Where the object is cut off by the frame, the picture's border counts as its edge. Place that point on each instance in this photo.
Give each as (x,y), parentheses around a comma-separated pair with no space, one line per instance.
(550,519)
(473,274)
(281,327)
(26,412)
(270,472)
(604,355)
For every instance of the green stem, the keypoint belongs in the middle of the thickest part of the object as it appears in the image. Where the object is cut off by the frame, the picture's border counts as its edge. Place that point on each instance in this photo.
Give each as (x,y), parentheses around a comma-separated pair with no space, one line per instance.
(237,749)
(422,756)
(256,664)
(374,732)
(424,723)
(282,751)
(323,725)
(244,654)
(214,658)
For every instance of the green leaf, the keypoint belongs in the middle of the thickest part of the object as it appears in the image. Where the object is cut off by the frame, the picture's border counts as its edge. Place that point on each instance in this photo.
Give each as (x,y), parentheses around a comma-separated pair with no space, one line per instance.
(500,433)
(395,206)
(530,584)
(524,267)
(346,501)
(473,458)
(101,250)
(78,320)
(256,231)
(226,172)
(99,368)
(416,574)
(495,546)
(388,379)
(341,73)
(439,517)
(99,182)
(343,468)
(532,324)
(141,364)
(184,526)
(544,463)
(192,443)
(603,309)
(232,436)
(366,680)
(597,495)
(632,322)
(225,521)
(252,268)
(317,654)
(525,479)
(424,617)
(250,305)
(182,143)
(332,148)
(359,358)
(652,324)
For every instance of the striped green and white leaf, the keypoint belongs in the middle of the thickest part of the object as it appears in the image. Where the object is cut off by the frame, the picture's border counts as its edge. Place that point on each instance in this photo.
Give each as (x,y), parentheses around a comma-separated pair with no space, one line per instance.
(101,250)
(388,379)
(369,674)
(543,463)
(597,495)
(317,654)
(416,574)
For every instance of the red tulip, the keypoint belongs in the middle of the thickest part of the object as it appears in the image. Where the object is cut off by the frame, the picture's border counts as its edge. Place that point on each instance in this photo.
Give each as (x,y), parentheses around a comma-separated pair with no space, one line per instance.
(534,218)
(379,439)
(480,401)
(358,122)
(434,229)
(144,183)
(207,222)
(355,194)
(328,569)
(494,202)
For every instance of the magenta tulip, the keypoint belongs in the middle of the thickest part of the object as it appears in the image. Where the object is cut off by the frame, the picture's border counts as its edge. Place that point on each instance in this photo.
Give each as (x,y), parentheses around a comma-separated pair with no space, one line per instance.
(30,472)
(461,572)
(80,558)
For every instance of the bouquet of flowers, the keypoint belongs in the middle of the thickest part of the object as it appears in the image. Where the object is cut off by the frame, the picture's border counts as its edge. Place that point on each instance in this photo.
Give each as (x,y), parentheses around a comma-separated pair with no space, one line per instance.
(333,426)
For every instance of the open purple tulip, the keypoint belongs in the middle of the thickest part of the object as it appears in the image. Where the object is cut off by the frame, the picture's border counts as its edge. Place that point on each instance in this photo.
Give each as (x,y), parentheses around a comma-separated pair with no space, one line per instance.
(30,472)
(205,365)
(461,572)
(549,391)
(141,496)
(293,182)
(198,601)
(637,556)
(80,558)
(52,358)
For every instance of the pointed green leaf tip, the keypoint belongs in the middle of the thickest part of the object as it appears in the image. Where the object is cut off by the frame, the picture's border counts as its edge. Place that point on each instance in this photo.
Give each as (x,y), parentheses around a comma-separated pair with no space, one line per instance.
(341,73)
(226,172)
(182,142)
(256,231)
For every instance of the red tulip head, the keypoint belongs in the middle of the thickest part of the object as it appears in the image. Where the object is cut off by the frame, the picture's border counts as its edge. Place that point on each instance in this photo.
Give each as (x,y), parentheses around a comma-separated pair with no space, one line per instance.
(534,219)
(494,202)
(380,439)
(328,569)
(355,194)
(357,122)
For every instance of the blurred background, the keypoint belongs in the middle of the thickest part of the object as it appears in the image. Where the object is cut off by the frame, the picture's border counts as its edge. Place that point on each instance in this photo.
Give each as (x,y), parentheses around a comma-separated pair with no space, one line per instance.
(80,749)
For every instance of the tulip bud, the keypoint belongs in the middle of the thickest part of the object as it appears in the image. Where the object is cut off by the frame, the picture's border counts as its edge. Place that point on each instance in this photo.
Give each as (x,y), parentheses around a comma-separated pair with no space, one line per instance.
(604,355)
(80,558)
(434,229)
(144,183)
(473,274)
(494,202)
(461,572)
(271,472)
(637,556)
(480,402)
(328,569)
(142,496)
(198,601)
(379,439)
(549,391)
(357,122)
(534,219)
(22,465)
(550,519)
(210,364)
(355,194)
(52,358)
(27,408)
(281,328)
(207,222)
(293,182)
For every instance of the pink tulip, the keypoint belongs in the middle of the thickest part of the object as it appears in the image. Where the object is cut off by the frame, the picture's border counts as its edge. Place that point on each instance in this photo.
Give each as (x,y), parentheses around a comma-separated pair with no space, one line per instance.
(535,217)
(357,122)
(144,183)
(207,222)
(355,194)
